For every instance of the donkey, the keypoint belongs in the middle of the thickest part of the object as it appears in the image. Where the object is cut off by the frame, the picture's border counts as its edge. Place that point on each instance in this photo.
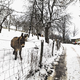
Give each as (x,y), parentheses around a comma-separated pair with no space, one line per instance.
(17,43)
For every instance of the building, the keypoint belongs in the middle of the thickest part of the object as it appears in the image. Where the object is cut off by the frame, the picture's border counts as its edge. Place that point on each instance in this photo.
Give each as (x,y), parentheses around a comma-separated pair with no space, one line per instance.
(76,39)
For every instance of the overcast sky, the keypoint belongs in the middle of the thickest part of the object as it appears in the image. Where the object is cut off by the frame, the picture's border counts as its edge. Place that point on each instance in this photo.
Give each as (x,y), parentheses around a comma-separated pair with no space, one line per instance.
(18,5)
(74,10)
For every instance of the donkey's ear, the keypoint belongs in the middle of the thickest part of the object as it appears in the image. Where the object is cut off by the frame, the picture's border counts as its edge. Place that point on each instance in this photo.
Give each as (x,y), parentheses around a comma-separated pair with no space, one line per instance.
(22,34)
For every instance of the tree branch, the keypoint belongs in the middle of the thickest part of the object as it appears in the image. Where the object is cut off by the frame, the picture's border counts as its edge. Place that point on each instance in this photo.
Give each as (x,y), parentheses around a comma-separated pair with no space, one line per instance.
(38,6)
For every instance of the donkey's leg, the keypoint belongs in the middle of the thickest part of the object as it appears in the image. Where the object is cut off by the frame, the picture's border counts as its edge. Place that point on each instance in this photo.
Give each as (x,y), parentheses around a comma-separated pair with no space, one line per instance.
(20,54)
(15,55)
(14,52)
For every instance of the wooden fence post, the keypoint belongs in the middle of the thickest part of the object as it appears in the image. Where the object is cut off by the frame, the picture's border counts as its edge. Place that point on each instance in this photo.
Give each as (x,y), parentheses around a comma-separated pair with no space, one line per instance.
(41,53)
(52,47)
(58,44)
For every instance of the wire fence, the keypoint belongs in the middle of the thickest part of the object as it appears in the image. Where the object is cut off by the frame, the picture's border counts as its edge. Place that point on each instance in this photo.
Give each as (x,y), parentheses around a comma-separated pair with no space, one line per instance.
(11,69)
(17,70)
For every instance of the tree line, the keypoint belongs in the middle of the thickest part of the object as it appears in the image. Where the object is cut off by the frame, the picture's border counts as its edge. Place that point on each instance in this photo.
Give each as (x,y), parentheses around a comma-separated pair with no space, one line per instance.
(46,16)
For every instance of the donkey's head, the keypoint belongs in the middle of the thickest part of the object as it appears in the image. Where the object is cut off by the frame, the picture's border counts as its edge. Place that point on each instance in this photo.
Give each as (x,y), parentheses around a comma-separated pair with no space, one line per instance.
(21,40)
(26,36)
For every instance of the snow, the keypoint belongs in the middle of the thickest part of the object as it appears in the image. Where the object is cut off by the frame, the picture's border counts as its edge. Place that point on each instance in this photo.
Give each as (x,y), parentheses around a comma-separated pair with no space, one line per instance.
(76,37)
(73,61)
(11,69)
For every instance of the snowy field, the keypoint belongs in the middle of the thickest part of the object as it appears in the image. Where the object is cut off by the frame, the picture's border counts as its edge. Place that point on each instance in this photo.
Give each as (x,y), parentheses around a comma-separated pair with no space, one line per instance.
(11,69)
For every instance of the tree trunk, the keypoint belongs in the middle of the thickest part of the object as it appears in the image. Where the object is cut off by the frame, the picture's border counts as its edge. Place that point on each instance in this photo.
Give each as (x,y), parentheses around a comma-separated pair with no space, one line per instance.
(46,34)
(16,28)
(64,34)
(9,28)
(64,31)
(63,38)
(29,32)
(0,28)
(32,31)
(37,35)
(41,53)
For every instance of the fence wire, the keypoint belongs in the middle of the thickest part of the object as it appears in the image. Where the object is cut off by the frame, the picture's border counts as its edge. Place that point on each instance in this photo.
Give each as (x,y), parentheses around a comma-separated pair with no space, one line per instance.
(11,69)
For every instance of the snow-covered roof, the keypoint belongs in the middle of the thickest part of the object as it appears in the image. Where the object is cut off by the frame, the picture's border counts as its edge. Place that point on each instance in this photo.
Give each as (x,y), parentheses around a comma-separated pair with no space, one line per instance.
(76,37)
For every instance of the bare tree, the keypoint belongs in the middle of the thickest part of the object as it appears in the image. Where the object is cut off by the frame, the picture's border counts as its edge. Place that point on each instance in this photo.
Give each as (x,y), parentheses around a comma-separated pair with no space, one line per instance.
(52,13)
(5,11)
(35,17)
(62,26)
(75,31)
(48,13)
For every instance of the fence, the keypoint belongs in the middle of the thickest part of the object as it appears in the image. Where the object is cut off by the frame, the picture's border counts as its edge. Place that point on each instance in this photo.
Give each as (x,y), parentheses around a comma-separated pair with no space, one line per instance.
(11,69)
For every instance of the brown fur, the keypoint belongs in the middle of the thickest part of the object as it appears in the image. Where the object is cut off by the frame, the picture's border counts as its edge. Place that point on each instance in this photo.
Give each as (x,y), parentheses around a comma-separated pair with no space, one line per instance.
(17,43)
(26,35)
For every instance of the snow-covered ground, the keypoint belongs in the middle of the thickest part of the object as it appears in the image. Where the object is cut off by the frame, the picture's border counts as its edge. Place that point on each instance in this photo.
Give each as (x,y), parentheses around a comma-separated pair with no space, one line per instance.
(73,61)
(11,69)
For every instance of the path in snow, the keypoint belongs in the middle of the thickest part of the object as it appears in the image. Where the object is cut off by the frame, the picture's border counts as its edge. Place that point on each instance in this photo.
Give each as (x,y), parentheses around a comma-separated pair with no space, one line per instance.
(73,61)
